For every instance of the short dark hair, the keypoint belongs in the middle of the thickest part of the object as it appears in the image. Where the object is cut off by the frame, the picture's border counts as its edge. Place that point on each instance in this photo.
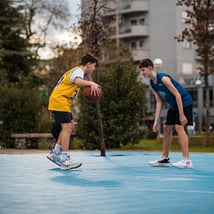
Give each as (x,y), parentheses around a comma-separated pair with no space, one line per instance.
(88,58)
(145,63)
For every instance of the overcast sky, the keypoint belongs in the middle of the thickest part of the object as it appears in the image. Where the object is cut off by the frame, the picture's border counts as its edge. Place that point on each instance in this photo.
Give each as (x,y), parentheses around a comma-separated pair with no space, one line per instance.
(75,9)
(64,35)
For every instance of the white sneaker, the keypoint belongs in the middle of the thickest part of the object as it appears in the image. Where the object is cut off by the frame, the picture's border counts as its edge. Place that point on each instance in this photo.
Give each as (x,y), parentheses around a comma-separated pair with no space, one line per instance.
(183,164)
(161,161)
(55,158)
(68,163)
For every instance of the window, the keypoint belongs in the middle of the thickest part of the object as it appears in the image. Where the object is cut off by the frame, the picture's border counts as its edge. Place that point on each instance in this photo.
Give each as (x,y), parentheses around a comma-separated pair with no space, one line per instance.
(126,6)
(186,45)
(133,45)
(187,68)
(141,43)
(141,21)
(134,22)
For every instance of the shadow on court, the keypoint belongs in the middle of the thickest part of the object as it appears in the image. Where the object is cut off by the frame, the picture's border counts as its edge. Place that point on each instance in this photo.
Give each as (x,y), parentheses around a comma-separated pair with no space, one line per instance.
(120,183)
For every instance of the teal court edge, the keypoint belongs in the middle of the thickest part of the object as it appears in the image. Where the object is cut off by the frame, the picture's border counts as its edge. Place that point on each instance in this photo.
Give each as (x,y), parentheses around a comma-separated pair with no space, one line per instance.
(119,183)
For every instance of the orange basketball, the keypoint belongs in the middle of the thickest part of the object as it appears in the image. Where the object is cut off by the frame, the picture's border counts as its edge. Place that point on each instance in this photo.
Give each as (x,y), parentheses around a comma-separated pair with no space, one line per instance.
(89,97)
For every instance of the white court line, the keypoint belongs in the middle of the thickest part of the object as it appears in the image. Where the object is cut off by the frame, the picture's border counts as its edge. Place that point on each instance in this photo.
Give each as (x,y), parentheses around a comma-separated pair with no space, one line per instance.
(164,179)
(175,190)
(177,179)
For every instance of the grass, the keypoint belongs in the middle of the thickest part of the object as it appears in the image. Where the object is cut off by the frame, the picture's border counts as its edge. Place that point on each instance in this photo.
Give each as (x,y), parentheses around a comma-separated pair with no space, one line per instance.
(155,145)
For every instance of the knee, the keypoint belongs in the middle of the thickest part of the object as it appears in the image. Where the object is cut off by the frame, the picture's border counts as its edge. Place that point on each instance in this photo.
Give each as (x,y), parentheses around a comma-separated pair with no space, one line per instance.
(167,129)
(68,127)
(179,128)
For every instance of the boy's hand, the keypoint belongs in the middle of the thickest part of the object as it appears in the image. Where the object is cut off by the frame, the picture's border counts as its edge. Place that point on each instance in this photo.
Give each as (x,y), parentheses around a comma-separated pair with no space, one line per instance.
(183,120)
(155,127)
(95,89)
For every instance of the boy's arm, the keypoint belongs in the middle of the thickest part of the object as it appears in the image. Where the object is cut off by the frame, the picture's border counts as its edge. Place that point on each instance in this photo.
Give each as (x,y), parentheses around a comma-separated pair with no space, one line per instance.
(167,82)
(157,110)
(95,88)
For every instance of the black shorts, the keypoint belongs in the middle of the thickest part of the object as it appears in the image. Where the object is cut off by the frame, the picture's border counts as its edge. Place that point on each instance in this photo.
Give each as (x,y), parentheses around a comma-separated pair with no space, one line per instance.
(62,117)
(172,117)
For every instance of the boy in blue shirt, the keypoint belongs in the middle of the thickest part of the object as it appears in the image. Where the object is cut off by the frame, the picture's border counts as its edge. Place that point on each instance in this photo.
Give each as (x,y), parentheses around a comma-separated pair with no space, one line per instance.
(166,89)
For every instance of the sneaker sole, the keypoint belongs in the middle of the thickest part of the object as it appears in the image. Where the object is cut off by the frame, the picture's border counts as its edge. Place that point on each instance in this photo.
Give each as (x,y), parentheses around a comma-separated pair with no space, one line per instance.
(53,161)
(71,167)
(160,164)
(185,167)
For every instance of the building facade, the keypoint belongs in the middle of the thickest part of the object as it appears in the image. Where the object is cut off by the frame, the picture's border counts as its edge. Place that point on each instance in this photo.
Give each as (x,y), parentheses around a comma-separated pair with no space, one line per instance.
(148,28)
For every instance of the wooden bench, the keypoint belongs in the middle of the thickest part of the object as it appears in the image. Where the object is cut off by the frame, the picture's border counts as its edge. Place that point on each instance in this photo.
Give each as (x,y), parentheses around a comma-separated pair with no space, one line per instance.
(32,140)
(35,140)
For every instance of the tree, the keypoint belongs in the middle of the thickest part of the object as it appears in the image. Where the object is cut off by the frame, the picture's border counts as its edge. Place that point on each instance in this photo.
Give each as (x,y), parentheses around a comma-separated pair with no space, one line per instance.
(122,105)
(14,47)
(96,31)
(200,18)
(41,18)
(23,30)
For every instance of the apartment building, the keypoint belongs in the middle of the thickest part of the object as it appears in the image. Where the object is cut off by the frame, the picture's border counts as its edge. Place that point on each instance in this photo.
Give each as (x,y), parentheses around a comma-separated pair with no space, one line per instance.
(148,28)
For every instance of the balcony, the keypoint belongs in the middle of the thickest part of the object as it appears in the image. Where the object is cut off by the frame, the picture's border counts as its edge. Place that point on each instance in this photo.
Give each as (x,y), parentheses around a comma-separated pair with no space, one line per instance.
(134,31)
(139,54)
(129,7)
(134,6)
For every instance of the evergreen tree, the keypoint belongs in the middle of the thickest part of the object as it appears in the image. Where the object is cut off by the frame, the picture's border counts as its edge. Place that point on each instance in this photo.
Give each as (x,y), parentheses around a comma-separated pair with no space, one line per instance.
(14,48)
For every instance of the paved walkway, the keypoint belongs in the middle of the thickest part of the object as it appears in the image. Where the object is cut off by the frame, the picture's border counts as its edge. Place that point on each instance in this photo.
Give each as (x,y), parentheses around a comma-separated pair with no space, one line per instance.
(120,183)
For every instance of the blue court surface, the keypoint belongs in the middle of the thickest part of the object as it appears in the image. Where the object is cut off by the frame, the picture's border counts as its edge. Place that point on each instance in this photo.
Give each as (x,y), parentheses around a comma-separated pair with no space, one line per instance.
(120,183)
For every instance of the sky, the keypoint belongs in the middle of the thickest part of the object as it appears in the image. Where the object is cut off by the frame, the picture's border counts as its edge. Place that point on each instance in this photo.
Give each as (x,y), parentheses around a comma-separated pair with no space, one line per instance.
(64,36)
(74,9)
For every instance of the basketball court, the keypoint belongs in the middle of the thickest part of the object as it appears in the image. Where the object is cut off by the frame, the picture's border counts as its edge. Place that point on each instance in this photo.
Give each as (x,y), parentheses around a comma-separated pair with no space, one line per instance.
(120,183)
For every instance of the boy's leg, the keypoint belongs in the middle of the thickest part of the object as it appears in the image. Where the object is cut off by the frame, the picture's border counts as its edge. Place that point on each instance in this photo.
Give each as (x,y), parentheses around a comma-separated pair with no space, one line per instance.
(56,129)
(66,122)
(183,140)
(167,140)
(64,137)
(63,159)
(168,128)
(182,135)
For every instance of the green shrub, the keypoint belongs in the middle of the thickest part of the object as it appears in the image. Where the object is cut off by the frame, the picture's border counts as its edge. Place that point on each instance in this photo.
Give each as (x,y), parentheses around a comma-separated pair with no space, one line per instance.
(122,108)
(18,112)
(78,144)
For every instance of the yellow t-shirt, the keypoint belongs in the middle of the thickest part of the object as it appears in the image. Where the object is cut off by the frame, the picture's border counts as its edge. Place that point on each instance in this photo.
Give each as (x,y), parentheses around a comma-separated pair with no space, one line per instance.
(65,91)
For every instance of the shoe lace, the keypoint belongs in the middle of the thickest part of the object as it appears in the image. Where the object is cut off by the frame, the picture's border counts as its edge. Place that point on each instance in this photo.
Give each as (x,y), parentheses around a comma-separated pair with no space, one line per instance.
(182,161)
(66,159)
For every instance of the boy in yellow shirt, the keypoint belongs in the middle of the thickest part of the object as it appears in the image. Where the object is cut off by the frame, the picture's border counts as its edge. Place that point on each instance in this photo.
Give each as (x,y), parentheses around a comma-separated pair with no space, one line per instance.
(61,99)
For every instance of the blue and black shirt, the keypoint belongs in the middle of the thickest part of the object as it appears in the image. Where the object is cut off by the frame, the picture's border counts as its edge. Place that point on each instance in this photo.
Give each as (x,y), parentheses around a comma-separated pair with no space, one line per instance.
(166,95)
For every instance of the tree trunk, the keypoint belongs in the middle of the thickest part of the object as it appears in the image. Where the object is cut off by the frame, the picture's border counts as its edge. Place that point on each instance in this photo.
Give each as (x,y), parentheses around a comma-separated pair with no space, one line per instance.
(100,127)
(207,105)
(100,121)
(94,36)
